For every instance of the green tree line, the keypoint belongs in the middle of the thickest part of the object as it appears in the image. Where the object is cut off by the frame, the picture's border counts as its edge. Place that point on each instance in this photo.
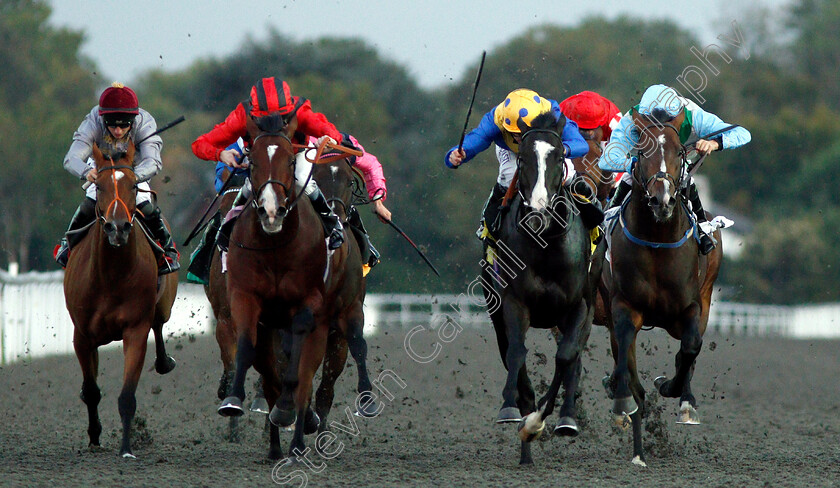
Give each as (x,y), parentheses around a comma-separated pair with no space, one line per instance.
(778,82)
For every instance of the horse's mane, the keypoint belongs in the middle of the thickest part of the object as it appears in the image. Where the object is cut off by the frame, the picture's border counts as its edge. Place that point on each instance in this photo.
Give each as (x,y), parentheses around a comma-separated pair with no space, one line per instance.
(546,120)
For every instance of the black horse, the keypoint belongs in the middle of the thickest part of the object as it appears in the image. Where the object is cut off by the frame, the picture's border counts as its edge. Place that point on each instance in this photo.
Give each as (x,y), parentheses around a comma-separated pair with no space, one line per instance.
(540,279)
(658,278)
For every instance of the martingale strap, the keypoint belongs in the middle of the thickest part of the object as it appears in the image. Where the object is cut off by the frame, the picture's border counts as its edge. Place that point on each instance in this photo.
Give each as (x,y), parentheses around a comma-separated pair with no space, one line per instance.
(692,231)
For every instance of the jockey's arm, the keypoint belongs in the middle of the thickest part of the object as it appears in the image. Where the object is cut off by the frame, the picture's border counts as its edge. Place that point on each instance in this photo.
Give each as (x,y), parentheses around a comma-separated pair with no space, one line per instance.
(477,140)
(706,123)
(616,156)
(75,162)
(148,152)
(576,144)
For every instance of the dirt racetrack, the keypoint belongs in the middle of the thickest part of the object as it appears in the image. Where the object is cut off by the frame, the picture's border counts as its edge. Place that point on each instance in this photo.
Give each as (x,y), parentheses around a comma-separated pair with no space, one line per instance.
(770,410)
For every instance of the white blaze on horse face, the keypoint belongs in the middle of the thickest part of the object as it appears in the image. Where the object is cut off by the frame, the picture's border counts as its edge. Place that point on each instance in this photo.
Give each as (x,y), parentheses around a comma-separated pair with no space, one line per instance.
(118,175)
(539,195)
(334,171)
(268,197)
(666,198)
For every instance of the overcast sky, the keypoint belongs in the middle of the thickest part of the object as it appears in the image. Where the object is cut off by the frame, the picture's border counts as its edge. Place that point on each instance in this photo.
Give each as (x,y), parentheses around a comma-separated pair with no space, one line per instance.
(437,40)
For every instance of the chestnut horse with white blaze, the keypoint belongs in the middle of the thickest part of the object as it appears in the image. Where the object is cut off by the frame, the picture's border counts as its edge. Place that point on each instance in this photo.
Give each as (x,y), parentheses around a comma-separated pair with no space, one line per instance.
(113,292)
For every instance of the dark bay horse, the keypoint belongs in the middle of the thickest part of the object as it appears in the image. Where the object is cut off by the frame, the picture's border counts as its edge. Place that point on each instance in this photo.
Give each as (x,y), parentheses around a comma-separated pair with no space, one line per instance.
(113,292)
(540,277)
(345,297)
(275,282)
(657,277)
(600,180)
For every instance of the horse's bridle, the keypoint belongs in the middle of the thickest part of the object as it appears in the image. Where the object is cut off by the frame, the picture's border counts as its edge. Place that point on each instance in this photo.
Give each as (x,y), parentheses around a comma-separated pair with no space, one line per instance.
(660,175)
(117,199)
(519,157)
(286,190)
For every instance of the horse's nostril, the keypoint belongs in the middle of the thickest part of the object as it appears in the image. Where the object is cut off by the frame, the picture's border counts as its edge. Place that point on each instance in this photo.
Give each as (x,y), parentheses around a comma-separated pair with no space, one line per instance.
(109,227)
(126,227)
(260,211)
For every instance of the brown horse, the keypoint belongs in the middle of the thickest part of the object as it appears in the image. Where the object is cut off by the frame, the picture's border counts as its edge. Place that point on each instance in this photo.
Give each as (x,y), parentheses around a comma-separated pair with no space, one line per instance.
(345,296)
(658,278)
(275,281)
(113,292)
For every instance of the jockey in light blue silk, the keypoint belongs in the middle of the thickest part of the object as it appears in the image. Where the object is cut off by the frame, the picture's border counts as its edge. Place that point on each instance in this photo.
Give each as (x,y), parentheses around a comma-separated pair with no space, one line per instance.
(665,102)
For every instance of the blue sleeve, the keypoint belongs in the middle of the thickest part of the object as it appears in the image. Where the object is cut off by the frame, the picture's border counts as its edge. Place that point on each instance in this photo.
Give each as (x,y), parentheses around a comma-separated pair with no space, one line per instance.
(574,141)
(478,139)
(221,168)
(707,123)
(616,155)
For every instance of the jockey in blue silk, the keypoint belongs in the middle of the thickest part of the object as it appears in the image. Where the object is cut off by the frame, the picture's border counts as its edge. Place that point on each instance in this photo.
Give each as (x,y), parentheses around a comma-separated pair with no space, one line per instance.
(501,126)
(665,102)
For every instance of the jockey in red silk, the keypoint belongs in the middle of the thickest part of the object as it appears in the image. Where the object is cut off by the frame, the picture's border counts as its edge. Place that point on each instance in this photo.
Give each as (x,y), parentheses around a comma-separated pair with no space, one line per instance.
(501,126)
(271,96)
(374,177)
(665,101)
(111,125)
(591,112)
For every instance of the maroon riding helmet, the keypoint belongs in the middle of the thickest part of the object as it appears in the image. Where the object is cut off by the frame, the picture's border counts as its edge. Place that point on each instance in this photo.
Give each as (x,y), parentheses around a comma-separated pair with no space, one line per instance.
(118,104)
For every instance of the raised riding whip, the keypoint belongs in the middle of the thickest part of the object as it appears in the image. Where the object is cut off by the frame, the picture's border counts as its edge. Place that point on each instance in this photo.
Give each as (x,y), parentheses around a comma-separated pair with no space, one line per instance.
(469,111)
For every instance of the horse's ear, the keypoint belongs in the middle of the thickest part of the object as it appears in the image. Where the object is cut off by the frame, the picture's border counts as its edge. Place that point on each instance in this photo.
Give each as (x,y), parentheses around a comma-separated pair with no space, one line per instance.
(291,125)
(97,154)
(561,124)
(251,127)
(130,152)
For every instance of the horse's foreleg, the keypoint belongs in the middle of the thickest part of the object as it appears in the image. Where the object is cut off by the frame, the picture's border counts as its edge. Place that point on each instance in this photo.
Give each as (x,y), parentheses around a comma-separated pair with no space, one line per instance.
(266,363)
(334,361)
(569,356)
(88,357)
(226,338)
(134,347)
(302,323)
(366,407)
(680,386)
(164,363)
(245,313)
(312,353)
(516,325)
(626,323)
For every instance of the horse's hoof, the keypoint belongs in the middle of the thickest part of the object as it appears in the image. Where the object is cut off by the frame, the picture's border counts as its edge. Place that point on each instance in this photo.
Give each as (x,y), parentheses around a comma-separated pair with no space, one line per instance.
(508,415)
(608,387)
(165,365)
(531,427)
(259,405)
(231,407)
(567,427)
(638,461)
(311,422)
(661,383)
(365,408)
(688,415)
(625,406)
(282,418)
(127,455)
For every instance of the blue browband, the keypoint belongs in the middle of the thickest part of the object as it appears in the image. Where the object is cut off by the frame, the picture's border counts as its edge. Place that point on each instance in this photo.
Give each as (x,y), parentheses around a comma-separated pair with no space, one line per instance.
(660,245)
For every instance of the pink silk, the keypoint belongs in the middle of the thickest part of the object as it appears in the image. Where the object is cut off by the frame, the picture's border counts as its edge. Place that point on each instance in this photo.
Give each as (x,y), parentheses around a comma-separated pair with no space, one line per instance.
(371,168)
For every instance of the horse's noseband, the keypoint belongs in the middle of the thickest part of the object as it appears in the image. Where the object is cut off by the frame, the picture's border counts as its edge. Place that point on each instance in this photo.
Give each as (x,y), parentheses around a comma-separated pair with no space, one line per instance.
(271,181)
(660,175)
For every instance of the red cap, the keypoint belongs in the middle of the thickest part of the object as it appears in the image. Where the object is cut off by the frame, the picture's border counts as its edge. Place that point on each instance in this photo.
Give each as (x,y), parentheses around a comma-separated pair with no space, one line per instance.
(588,109)
(268,97)
(118,99)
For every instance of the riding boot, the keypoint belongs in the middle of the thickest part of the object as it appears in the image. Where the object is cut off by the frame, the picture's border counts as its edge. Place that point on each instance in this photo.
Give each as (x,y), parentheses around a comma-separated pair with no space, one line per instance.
(620,194)
(491,216)
(586,202)
(84,215)
(332,225)
(223,236)
(154,221)
(354,220)
(706,241)
(199,269)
